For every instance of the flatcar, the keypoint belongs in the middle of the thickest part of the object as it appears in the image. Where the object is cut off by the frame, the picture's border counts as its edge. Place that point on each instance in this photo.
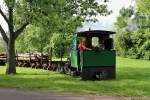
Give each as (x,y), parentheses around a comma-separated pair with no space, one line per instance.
(98,62)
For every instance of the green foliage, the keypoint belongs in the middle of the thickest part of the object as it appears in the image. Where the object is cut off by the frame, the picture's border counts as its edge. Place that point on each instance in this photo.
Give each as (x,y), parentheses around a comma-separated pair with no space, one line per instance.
(127,12)
(33,40)
(60,44)
(52,17)
(132,42)
(2,45)
(123,42)
(143,6)
(132,80)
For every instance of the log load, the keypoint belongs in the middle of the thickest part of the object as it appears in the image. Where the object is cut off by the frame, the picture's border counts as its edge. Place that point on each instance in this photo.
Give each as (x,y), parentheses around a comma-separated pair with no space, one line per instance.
(34,60)
(3,58)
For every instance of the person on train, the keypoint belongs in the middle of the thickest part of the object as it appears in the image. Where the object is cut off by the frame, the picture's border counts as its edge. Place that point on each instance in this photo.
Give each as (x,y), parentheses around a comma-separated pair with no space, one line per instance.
(82,45)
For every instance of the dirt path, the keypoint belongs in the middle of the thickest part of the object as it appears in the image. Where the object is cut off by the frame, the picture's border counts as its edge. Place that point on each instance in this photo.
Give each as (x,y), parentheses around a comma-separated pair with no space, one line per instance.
(22,94)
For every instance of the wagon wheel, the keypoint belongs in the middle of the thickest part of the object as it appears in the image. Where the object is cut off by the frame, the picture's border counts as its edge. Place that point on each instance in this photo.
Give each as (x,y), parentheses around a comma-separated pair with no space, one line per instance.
(66,69)
(54,67)
(20,63)
(38,65)
(49,66)
(16,63)
(2,63)
(28,64)
(45,66)
(58,69)
(24,64)
(32,65)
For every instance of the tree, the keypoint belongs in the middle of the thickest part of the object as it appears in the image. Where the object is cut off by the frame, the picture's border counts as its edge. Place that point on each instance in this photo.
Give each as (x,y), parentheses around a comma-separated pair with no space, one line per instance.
(123,36)
(133,32)
(143,7)
(2,45)
(58,21)
(33,38)
(10,38)
(60,43)
(21,13)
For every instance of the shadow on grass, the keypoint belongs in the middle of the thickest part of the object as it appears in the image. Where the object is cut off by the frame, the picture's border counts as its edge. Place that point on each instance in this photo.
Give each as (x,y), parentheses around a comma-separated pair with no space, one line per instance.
(54,83)
(130,82)
(34,74)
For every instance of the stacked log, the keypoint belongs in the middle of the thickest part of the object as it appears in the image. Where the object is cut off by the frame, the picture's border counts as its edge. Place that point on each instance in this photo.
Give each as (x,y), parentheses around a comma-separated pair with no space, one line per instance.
(3,58)
(34,60)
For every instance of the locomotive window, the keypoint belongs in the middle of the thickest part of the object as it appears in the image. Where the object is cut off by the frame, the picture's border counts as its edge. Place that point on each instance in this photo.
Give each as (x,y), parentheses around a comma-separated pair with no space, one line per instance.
(110,36)
(95,41)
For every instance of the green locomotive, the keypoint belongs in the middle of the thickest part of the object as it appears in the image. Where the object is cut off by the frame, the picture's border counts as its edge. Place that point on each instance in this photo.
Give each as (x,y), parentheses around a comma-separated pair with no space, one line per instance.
(100,61)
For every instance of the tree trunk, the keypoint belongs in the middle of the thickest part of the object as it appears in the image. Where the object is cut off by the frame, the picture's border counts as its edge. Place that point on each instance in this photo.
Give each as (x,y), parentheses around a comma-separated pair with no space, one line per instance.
(11,59)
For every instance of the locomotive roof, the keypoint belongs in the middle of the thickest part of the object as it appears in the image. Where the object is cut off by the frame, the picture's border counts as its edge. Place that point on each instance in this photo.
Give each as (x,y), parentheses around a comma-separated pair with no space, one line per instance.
(94,32)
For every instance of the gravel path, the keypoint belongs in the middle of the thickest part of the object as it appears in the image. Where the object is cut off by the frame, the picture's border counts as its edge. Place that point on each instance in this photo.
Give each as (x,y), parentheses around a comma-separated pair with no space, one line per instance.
(23,94)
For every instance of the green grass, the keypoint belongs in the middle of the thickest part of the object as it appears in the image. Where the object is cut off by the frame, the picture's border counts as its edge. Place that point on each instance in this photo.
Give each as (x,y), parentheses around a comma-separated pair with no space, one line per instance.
(133,79)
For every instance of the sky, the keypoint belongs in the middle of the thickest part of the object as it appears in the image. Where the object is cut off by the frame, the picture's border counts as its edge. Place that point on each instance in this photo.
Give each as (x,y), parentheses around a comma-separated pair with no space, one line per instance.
(104,23)
(2,22)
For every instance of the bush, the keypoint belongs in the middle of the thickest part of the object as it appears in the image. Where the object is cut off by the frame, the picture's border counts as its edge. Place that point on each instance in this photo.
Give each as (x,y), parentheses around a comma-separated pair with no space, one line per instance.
(133,44)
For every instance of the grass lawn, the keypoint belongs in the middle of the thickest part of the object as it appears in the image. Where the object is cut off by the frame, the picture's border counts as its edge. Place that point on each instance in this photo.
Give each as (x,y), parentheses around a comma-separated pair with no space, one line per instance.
(133,79)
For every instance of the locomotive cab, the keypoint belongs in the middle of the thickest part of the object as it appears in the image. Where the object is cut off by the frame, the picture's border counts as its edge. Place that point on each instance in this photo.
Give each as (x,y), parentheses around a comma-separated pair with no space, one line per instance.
(99,62)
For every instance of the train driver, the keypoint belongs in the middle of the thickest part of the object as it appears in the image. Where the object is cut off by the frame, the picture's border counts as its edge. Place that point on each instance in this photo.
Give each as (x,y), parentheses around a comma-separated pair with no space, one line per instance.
(82,45)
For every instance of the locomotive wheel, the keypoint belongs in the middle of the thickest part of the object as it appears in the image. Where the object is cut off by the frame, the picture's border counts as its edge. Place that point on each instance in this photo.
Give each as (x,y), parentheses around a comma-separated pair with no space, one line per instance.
(76,74)
(98,73)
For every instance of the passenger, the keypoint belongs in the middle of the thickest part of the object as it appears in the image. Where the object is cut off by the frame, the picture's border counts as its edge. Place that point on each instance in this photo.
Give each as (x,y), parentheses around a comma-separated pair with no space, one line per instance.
(101,44)
(82,45)
(101,47)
